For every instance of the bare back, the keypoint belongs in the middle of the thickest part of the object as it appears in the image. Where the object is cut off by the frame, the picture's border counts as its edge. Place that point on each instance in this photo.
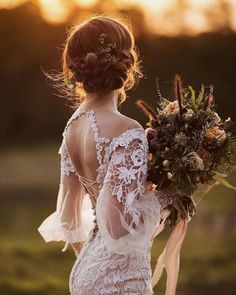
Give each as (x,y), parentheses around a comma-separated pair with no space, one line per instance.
(89,135)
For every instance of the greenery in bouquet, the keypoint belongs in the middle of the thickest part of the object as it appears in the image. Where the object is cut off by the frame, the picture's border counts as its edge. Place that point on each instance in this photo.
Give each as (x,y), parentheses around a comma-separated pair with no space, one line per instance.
(189,144)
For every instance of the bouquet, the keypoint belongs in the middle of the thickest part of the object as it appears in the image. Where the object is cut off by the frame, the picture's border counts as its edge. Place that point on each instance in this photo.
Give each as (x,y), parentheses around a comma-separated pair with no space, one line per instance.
(189,144)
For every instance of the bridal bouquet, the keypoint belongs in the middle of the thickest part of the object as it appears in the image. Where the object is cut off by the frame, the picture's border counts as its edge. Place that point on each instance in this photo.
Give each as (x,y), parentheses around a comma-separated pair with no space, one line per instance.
(189,144)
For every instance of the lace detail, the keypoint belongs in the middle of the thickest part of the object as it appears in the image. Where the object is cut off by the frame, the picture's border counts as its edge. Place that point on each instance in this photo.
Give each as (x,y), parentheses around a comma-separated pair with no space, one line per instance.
(66,165)
(125,167)
(103,273)
(77,113)
(99,140)
(116,254)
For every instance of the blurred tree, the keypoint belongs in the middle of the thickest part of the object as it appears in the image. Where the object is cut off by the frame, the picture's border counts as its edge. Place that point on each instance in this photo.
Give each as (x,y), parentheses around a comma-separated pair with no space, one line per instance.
(29,43)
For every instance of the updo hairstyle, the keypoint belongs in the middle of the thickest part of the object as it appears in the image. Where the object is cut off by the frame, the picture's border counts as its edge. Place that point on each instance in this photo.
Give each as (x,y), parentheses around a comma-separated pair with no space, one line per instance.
(100,56)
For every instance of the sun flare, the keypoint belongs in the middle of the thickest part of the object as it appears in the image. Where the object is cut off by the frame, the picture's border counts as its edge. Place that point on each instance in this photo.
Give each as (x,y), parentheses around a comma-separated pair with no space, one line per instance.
(168,17)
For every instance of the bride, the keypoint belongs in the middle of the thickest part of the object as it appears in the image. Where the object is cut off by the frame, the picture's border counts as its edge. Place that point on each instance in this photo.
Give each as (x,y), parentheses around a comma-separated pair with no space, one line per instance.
(105,208)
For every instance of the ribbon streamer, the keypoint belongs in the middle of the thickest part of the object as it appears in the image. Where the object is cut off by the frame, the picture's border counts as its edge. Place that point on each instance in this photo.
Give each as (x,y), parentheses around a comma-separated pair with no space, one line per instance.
(170,257)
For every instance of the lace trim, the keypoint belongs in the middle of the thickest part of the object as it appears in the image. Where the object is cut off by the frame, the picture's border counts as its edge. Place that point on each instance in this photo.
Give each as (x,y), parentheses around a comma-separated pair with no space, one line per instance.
(66,164)
(123,140)
(126,137)
(99,140)
(74,116)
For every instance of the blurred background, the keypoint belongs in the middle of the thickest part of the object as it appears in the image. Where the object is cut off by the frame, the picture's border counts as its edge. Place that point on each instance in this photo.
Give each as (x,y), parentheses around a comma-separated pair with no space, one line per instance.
(195,38)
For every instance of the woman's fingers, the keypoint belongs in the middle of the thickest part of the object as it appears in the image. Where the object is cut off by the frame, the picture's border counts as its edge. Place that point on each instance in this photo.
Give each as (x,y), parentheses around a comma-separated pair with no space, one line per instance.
(178,205)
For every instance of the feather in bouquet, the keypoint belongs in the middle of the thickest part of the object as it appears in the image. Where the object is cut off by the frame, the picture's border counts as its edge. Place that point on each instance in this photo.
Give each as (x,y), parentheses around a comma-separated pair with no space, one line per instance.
(189,144)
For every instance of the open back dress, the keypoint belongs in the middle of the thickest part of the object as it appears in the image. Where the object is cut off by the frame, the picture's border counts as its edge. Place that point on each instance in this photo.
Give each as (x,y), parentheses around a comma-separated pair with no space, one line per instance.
(117,221)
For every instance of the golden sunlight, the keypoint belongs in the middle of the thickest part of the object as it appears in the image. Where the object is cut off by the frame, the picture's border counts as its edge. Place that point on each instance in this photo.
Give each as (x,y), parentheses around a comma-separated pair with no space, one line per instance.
(11,3)
(165,17)
(53,10)
(85,2)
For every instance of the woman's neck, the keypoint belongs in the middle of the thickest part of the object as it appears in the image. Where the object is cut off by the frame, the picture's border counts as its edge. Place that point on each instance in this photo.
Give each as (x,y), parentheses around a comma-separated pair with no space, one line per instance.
(98,101)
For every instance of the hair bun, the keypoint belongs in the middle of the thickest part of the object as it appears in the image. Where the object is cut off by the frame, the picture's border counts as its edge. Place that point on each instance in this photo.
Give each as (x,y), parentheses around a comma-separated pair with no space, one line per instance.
(101,56)
(103,72)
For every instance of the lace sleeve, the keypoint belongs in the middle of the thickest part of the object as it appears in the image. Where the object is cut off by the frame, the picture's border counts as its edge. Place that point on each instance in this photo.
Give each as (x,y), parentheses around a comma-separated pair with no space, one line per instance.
(121,203)
(73,217)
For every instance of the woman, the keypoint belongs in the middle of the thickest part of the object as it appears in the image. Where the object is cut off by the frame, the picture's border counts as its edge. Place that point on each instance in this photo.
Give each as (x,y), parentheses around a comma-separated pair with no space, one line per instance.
(104,162)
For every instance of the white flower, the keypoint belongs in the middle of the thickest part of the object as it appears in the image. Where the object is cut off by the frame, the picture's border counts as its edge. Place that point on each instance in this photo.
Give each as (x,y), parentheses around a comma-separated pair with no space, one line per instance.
(188,115)
(169,175)
(217,119)
(165,163)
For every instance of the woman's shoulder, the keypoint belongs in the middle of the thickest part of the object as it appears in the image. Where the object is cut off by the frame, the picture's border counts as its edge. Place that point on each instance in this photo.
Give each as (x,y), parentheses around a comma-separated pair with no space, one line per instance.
(121,123)
(130,122)
(125,131)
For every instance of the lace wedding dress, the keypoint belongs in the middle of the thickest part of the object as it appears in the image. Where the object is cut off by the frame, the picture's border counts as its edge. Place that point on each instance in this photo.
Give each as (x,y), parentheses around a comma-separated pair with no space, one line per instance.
(117,222)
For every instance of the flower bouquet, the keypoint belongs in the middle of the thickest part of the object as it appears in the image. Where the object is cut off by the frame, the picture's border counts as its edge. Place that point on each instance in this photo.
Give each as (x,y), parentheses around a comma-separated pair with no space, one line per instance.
(189,144)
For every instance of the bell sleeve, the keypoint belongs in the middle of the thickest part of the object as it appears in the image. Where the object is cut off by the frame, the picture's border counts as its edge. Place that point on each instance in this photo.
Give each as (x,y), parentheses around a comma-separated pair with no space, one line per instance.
(73,218)
(125,217)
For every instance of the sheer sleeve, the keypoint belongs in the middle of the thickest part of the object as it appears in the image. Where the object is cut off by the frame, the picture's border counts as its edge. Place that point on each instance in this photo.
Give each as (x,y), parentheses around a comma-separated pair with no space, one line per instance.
(129,216)
(73,218)
(124,215)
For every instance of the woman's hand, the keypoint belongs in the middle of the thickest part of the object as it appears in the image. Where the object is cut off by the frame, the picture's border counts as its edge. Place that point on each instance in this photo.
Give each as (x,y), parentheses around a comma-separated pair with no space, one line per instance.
(178,205)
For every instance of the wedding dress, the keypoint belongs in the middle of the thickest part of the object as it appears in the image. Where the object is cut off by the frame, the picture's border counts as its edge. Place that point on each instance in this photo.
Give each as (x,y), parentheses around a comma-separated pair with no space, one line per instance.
(117,223)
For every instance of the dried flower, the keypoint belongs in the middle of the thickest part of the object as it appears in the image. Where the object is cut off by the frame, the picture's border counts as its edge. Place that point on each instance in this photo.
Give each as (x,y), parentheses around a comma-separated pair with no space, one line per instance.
(172,108)
(91,58)
(188,115)
(180,138)
(204,154)
(215,135)
(193,162)
(216,118)
(150,133)
(154,144)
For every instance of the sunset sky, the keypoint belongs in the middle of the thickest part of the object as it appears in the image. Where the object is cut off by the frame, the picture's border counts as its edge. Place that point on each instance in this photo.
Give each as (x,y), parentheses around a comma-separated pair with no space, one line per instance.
(167,17)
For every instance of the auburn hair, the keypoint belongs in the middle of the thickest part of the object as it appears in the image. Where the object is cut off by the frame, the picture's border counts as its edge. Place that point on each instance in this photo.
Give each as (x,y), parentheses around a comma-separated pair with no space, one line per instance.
(99,56)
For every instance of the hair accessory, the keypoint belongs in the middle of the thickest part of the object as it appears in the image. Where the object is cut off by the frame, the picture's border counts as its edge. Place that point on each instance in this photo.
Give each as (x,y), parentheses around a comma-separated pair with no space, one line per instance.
(105,56)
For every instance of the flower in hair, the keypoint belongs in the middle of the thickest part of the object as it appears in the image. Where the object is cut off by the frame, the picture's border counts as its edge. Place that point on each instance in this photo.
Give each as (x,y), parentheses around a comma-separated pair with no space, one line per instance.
(91,58)
(104,56)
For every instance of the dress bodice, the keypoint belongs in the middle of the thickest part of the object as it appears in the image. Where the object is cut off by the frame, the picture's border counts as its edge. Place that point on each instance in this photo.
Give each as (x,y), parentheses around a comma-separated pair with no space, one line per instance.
(104,148)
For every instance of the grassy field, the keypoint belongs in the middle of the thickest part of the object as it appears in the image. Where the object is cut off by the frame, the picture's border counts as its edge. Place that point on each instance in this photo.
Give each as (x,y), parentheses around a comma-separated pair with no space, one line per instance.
(28,189)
